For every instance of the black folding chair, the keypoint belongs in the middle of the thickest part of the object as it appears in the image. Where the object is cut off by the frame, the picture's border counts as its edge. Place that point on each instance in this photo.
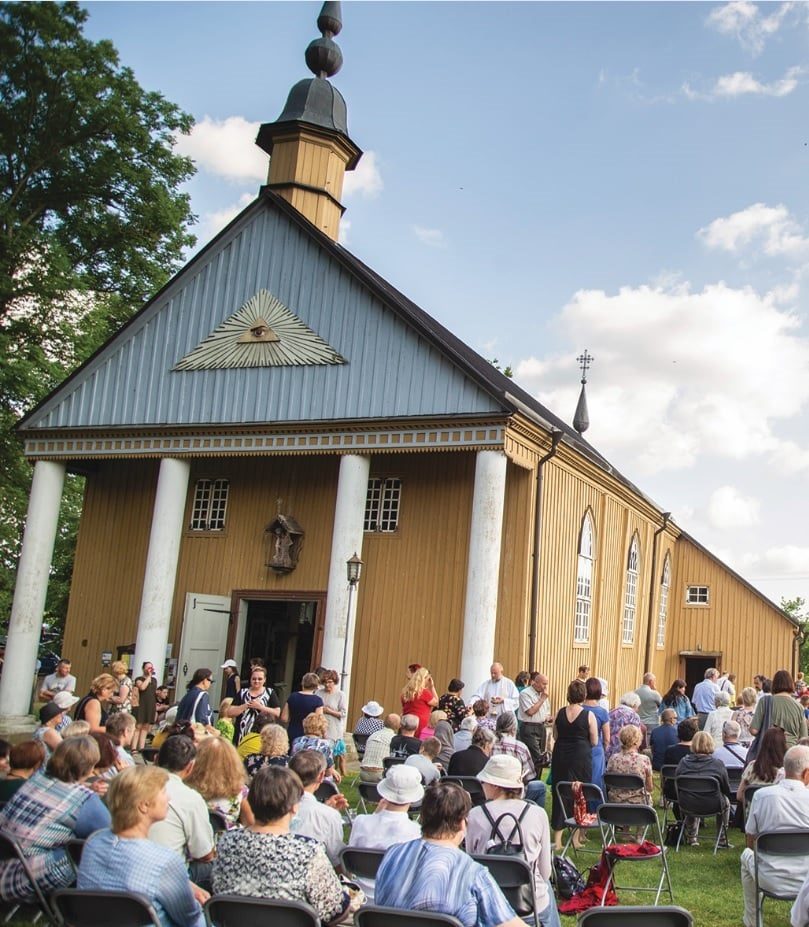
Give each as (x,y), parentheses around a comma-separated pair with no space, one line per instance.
(472,785)
(10,851)
(783,844)
(102,908)
(219,823)
(699,797)
(75,847)
(668,789)
(749,792)
(368,795)
(636,916)
(376,916)
(240,911)
(149,754)
(627,782)
(564,795)
(611,816)
(389,761)
(360,740)
(516,880)
(361,862)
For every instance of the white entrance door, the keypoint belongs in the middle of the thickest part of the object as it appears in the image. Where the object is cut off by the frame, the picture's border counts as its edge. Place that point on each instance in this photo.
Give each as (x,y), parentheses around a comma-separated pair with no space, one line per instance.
(205,633)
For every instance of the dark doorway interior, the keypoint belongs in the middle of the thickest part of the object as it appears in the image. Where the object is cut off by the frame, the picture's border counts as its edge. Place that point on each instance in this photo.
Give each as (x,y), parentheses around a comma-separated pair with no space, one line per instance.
(695,670)
(282,633)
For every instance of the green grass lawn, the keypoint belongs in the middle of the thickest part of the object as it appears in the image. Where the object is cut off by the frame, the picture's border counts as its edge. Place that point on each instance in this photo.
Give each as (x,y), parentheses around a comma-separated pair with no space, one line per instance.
(706,885)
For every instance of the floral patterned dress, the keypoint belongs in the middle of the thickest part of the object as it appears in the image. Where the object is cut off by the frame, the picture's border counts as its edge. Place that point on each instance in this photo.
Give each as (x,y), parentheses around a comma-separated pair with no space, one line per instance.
(454,706)
(289,867)
(229,808)
(634,764)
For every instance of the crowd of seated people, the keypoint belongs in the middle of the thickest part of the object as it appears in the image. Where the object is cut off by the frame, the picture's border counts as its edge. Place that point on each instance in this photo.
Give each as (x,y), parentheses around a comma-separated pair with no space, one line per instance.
(283,830)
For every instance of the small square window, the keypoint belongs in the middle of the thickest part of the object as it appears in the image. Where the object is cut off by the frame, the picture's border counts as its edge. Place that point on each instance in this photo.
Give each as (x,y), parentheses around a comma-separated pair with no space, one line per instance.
(697,595)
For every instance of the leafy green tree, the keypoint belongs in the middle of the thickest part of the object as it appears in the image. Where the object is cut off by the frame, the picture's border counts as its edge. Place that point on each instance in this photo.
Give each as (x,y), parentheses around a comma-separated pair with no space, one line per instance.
(797,609)
(92,222)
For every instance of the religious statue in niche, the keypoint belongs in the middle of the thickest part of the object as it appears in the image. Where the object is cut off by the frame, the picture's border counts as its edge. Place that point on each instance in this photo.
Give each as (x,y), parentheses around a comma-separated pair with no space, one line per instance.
(285,539)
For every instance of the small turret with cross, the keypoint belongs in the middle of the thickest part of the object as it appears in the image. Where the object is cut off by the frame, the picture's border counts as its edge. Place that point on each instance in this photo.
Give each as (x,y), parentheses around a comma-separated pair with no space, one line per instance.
(581,418)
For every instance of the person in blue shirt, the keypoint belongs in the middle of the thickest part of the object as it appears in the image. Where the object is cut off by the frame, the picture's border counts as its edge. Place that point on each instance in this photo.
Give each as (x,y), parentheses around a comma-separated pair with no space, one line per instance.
(433,874)
(122,858)
(194,705)
(663,737)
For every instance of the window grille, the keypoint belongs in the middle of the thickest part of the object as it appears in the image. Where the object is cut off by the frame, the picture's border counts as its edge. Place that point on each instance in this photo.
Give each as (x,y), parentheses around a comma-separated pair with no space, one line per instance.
(631,593)
(697,595)
(662,613)
(210,505)
(382,504)
(584,583)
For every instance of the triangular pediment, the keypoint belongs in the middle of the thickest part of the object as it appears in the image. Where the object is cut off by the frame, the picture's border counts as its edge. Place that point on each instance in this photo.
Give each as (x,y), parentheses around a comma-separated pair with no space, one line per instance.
(262,333)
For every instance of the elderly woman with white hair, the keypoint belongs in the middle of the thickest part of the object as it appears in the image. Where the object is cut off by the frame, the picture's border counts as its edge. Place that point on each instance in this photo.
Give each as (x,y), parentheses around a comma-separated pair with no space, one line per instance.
(625,712)
(463,737)
(716,718)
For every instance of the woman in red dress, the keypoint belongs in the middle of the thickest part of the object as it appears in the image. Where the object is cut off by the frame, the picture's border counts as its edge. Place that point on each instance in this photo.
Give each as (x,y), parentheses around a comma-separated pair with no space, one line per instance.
(419,696)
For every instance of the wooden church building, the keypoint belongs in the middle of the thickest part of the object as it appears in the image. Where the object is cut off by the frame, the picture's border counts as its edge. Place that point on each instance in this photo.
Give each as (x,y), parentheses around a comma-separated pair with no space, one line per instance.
(279,407)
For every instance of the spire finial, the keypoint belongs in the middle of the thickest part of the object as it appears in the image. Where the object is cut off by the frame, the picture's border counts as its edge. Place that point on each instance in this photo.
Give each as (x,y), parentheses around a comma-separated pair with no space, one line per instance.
(323,56)
(581,418)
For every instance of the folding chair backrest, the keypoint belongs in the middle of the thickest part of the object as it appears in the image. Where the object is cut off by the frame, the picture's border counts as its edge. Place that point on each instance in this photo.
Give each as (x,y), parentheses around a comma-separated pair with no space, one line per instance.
(668,774)
(564,792)
(238,911)
(623,781)
(786,843)
(219,823)
(360,740)
(637,915)
(472,785)
(149,754)
(515,879)
(735,777)
(11,850)
(101,908)
(389,761)
(698,795)
(614,814)
(368,791)
(750,791)
(360,862)
(376,916)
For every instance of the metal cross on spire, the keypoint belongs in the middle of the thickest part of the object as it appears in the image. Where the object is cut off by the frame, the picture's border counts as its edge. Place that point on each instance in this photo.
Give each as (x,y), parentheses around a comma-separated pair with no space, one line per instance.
(585,362)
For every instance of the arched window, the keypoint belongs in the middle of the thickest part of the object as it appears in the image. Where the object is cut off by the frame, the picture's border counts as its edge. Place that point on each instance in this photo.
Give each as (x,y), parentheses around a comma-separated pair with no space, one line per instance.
(584,582)
(663,610)
(631,592)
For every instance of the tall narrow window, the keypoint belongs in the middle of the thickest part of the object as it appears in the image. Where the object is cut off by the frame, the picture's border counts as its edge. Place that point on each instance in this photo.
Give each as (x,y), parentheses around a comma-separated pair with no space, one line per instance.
(663,610)
(210,505)
(584,583)
(382,504)
(631,592)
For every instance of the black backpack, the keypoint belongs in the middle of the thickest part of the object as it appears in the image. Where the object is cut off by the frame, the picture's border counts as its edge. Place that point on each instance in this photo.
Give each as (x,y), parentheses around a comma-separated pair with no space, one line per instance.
(504,846)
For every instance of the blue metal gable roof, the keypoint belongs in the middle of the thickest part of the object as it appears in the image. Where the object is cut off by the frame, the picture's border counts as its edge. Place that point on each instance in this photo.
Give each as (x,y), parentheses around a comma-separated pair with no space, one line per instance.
(392,370)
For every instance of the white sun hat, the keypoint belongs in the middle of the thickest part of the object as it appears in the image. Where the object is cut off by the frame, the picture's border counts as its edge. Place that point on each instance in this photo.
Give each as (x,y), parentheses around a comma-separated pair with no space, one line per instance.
(401,785)
(502,770)
(374,709)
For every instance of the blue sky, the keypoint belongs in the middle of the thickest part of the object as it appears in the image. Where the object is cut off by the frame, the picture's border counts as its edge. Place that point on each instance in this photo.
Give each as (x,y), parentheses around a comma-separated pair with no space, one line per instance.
(543,177)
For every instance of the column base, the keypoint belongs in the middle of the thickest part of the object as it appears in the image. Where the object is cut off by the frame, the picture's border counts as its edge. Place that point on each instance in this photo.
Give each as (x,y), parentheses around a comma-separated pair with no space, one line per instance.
(17,727)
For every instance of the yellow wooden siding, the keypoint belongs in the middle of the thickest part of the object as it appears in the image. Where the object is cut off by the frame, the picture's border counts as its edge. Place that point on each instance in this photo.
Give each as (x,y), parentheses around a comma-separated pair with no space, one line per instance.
(411,597)
(110,560)
(749,633)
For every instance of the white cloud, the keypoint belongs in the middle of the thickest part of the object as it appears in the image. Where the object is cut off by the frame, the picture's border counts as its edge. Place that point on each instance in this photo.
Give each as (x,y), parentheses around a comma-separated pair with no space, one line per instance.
(226,148)
(679,374)
(788,560)
(434,238)
(727,508)
(745,21)
(344,233)
(743,83)
(365,179)
(771,228)
(212,223)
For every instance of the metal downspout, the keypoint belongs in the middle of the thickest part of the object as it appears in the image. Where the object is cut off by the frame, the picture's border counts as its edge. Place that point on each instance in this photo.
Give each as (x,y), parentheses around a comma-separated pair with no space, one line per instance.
(650,619)
(556,437)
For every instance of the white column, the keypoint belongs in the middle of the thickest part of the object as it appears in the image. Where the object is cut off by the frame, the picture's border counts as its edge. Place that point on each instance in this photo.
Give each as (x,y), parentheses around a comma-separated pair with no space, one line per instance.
(349,512)
(161,565)
(33,570)
(483,571)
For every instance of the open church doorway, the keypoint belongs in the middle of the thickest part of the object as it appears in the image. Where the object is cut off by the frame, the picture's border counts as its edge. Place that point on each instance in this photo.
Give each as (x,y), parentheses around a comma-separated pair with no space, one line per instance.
(285,630)
(695,665)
